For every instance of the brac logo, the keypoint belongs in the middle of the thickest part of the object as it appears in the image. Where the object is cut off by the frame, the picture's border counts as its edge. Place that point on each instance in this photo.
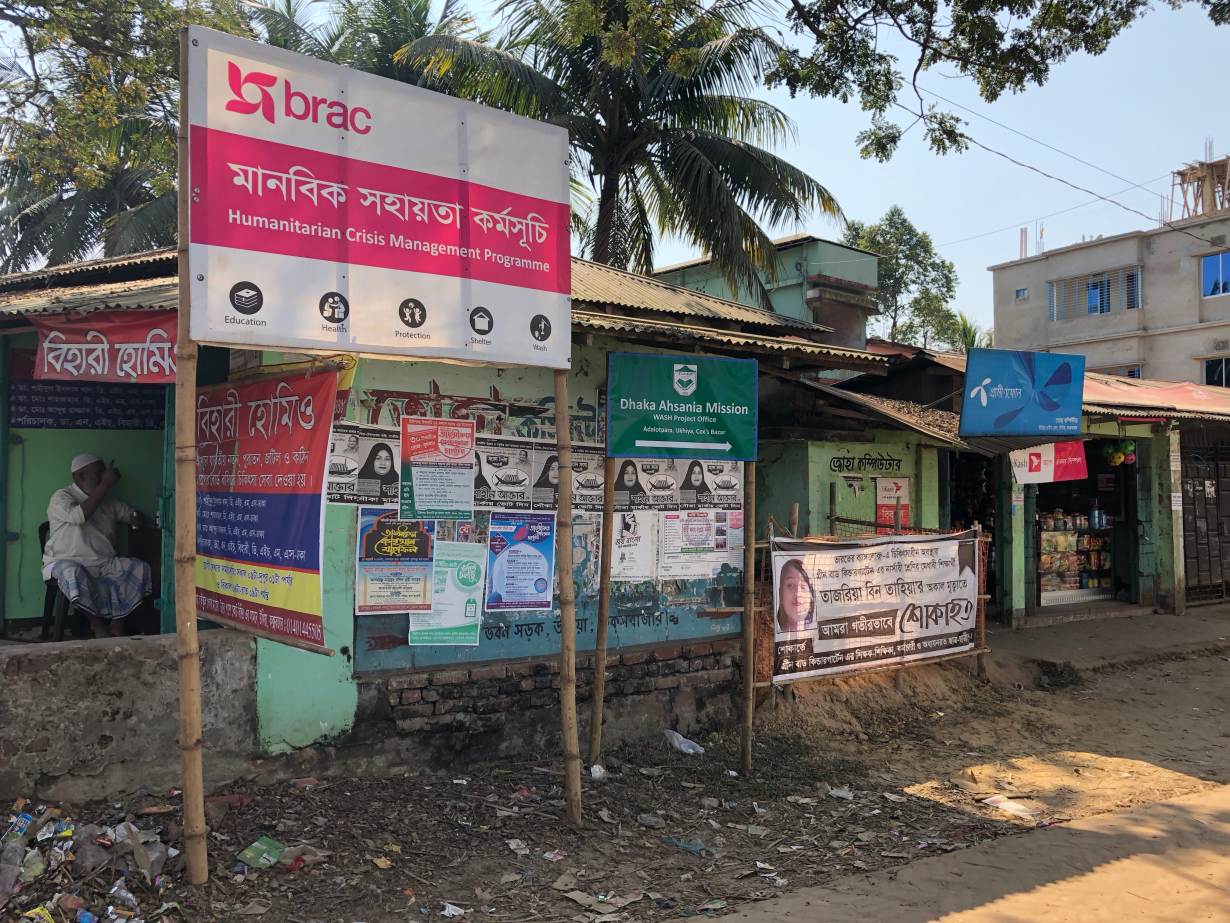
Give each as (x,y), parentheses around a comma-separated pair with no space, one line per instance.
(296,104)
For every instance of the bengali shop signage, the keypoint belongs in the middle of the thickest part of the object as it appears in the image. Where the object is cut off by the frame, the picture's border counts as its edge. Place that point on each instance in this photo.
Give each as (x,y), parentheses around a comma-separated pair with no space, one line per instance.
(1045,464)
(1018,393)
(847,606)
(319,221)
(136,347)
(262,449)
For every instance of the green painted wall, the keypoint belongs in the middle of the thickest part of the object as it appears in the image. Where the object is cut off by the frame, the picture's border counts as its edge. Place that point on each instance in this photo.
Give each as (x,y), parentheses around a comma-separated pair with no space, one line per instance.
(302,698)
(794,264)
(38,466)
(781,481)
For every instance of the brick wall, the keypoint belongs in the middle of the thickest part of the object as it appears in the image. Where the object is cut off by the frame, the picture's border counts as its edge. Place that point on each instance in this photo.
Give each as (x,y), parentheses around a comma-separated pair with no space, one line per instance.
(678,682)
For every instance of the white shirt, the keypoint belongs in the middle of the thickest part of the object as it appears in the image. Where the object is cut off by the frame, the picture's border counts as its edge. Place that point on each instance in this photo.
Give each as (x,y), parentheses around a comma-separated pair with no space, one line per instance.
(90,542)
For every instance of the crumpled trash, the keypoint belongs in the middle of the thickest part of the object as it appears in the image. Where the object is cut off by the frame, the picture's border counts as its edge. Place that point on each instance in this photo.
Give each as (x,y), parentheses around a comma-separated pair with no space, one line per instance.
(682,744)
(122,895)
(451,910)
(32,866)
(695,847)
(294,858)
(262,854)
(256,907)
(652,821)
(39,914)
(598,773)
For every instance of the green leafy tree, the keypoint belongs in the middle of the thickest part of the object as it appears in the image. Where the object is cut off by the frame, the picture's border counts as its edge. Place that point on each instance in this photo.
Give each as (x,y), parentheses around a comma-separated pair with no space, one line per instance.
(876,50)
(916,284)
(88,126)
(968,335)
(658,100)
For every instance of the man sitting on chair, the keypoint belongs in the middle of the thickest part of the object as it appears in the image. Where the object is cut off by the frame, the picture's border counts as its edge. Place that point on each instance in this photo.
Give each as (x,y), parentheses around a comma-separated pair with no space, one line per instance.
(80,552)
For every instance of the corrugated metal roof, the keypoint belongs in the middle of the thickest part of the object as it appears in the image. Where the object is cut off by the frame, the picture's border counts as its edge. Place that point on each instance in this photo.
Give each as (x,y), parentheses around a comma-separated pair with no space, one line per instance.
(47,274)
(823,355)
(141,293)
(598,284)
(938,424)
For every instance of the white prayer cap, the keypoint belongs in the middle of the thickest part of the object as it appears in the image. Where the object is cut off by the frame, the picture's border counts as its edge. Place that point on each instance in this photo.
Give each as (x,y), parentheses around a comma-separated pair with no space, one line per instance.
(84,460)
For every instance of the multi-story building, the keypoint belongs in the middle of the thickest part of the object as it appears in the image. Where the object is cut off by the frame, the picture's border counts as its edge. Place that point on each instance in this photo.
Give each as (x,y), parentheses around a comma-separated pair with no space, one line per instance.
(1146,304)
(817,280)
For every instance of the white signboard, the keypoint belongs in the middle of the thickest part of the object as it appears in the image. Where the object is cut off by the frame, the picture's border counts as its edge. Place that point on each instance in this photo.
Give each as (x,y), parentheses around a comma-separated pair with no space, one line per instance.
(634,546)
(335,210)
(694,543)
(841,607)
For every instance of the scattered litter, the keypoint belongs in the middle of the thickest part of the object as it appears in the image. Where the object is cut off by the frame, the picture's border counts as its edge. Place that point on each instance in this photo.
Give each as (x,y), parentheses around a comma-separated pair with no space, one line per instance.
(607,816)
(262,854)
(898,799)
(39,914)
(381,862)
(800,799)
(451,910)
(307,782)
(510,878)
(732,773)
(294,858)
(157,809)
(682,744)
(554,855)
(652,772)
(1009,806)
(896,854)
(695,847)
(716,904)
(652,821)
(461,781)
(565,882)
(711,803)
(843,792)
(519,847)
(598,773)
(256,907)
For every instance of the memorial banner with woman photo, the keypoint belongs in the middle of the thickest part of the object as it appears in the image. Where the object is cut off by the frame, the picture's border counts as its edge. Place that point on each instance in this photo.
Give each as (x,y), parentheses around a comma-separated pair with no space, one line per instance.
(846,606)
(262,450)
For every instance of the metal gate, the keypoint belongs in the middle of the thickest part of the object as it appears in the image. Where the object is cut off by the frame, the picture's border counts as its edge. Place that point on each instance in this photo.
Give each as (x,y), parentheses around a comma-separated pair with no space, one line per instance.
(1205,457)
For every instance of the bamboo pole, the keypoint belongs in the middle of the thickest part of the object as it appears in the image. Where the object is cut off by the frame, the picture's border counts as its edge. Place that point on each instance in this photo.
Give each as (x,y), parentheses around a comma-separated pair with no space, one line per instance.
(604,612)
(186,643)
(749,611)
(794,519)
(567,605)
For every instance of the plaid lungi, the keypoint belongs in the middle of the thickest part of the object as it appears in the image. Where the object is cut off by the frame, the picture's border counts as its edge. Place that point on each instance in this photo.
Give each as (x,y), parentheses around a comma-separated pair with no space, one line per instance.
(114,592)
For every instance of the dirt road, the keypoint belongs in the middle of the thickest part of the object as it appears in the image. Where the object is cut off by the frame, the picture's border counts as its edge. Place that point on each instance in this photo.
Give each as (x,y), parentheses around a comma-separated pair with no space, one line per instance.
(1164,862)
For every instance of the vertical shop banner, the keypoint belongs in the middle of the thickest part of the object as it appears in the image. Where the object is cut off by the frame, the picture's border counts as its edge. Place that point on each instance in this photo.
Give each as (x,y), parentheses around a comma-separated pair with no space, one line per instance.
(890,492)
(262,449)
(520,561)
(393,563)
(845,606)
(363,464)
(437,468)
(456,612)
(634,546)
(137,347)
(1018,393)
(317,221)
(1045,464)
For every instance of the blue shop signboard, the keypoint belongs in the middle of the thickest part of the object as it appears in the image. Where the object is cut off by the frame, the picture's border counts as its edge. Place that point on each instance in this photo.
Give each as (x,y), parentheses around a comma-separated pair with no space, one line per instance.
(1017,393)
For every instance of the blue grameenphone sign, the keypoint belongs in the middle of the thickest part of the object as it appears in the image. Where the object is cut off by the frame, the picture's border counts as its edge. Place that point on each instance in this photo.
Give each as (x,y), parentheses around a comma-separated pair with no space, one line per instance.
(1016,393)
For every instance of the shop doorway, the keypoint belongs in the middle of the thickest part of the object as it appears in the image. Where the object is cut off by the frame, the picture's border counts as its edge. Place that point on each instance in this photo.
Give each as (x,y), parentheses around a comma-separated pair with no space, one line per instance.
(973,492)
(1205,458)
(1086,532)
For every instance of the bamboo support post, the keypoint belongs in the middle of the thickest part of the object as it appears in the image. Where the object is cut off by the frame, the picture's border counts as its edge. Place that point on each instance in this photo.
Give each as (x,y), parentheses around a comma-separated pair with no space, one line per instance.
(567,606)
(749,612)
(604,612)
(832,507)
(794,519)
(186,642)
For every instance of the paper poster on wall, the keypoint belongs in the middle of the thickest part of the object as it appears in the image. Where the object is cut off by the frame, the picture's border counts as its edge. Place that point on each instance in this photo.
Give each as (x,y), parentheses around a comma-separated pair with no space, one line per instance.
(363,464)
(393,562)
(437,468)
(634,546)
(544,491)
(588,475)
(520,561)
(456,613)
(504,473)
(889,493)
(693,543)
(734,538)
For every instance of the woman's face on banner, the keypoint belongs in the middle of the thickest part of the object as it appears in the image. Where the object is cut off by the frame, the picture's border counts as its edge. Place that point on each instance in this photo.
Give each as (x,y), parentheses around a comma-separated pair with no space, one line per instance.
(553,472)
(796,595)
(383,462)
(696,479)
(629,477)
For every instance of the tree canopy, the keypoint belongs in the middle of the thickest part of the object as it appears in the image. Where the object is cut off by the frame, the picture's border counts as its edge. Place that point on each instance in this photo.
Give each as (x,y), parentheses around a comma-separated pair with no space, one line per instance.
(874,51)
(916,284)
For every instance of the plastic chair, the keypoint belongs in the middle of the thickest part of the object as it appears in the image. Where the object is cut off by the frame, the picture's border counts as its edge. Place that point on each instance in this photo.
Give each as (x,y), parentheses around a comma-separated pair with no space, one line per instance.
(57,608)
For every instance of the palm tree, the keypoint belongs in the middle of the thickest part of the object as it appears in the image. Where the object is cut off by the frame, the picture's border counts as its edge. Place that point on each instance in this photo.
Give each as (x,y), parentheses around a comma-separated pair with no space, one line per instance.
(658,102)
(968,335)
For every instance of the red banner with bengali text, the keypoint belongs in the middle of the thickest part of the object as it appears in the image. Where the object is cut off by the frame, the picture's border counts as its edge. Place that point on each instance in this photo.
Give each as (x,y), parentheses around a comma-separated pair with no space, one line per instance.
(137,347)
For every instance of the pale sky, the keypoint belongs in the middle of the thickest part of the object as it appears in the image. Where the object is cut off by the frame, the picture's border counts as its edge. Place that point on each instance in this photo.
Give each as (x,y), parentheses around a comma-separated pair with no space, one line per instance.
(1140,110)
